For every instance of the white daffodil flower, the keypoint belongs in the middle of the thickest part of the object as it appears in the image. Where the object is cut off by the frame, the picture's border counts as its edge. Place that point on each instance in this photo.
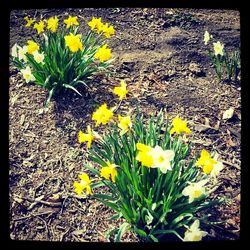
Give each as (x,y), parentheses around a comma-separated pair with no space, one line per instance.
(14,50)
(22,53)
(194,233)
(206,37)
(218,48)
(195,190)
(27,75)
(162,158)
(39,57)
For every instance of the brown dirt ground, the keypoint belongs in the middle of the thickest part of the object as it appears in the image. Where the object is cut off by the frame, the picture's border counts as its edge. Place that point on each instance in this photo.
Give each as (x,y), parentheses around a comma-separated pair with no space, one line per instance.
(164,62)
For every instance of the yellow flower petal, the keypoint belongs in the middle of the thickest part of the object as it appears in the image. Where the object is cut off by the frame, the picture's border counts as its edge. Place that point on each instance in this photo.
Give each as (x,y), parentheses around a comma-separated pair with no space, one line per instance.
(102,115)
(179,126)
(74,42)
(103,53)
(71,21)
(109,171)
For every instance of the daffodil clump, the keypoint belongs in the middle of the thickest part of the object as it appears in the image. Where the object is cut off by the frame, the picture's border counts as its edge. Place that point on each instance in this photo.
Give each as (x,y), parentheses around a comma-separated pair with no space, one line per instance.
(62,58)
(154,183)
(223,62)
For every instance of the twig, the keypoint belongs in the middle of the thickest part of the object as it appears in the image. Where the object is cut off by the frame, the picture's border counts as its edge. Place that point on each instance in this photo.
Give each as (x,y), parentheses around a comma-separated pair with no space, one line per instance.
(231,164)
(33,215)
(23,107)
(46,226)
(225,230)
(61,238)
(118,106)
(51,204)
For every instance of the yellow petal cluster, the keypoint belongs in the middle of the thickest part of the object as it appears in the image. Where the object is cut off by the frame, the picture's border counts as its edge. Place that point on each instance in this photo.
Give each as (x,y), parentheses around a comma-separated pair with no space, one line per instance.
(102,115)
(84,184)
(39,26)
(71,21)
(121,91)
(86,137)
(208,164)
(52,23)
(155,157)
(108,30)
(124,124)
(179,126)
(97,25)
(144,155)
(109,171)
(29,21)
(32,47)
(103,53)
(74,42)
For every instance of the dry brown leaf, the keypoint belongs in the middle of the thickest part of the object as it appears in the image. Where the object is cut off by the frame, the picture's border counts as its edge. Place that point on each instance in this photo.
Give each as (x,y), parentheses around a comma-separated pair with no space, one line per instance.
(207,122)
(217,125)
(230,143)
(228,114)
(79,232)
(13,99)
(202,142)
(203,128)
(231,222)
(22,119)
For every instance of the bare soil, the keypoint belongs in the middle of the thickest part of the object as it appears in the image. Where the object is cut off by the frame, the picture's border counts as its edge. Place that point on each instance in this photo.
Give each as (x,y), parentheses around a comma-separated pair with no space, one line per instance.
(161,55)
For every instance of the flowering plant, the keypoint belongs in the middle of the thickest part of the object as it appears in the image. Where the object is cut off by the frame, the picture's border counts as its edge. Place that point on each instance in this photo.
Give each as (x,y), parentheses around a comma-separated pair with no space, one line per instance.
(220,59)
(62,58)
(153,182)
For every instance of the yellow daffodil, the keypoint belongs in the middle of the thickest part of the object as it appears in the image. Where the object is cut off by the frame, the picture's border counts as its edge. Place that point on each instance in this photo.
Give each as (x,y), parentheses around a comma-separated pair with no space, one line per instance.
(121,91)
(52,23)
(27,75)
(39,57)
(74,42)
(96,24)
(108,30)
(124,124)
(144,155)
(102,115)
(29,21)
(143,147)
(109,171)
(88,137)
(179,126)
(155,157)
(206,162)
(218,48)
(206,37)
(162,158)
(195,190)
(83,184)
(32,47)
(103,53)
(194,233)
(71,21)
(39,26)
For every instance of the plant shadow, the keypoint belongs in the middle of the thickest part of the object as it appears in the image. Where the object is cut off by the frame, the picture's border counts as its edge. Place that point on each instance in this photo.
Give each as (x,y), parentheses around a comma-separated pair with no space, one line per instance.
(73,112)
